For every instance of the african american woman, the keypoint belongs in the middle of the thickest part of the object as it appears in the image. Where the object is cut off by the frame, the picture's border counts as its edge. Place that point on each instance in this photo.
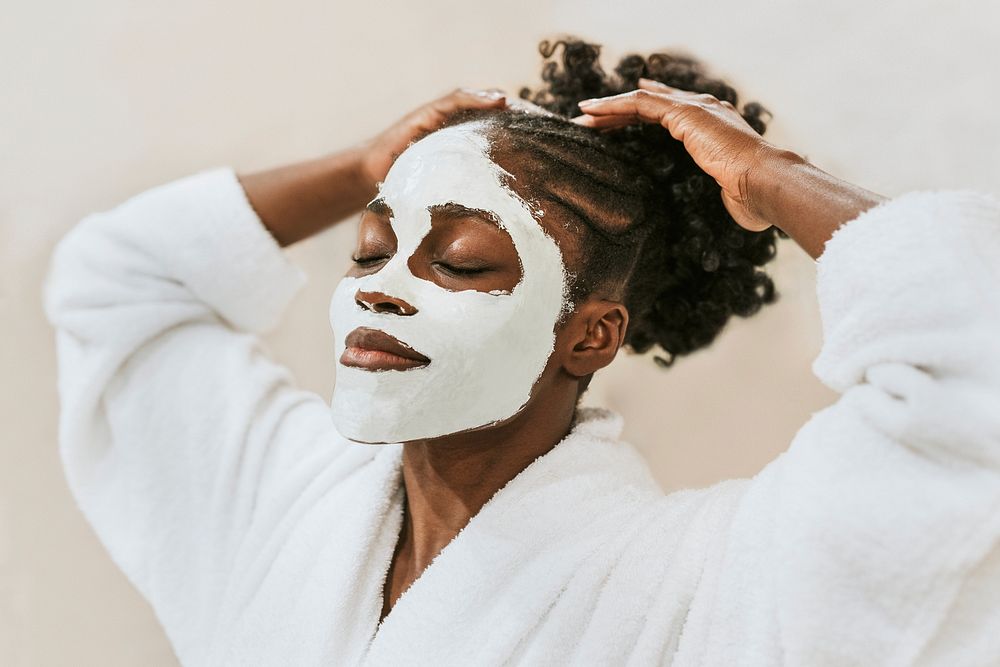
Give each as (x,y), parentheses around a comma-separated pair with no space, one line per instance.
(454,504)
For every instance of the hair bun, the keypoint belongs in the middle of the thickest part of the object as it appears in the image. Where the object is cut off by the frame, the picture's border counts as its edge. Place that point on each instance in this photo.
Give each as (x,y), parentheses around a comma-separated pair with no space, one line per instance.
(697,267)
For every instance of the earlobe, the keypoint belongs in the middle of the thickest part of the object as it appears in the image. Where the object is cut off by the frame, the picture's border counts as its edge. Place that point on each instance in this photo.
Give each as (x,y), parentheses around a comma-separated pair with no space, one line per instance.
(601,332)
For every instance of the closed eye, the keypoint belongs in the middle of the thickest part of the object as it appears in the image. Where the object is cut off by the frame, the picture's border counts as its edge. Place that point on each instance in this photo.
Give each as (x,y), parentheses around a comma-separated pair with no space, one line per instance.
(461,271)
(368,261)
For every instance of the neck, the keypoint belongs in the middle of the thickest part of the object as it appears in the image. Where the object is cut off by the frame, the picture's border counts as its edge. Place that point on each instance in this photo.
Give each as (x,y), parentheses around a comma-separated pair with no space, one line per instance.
(449,479)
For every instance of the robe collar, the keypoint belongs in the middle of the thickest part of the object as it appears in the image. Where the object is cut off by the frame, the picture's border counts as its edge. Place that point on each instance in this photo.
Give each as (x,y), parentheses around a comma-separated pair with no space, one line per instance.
(515,555)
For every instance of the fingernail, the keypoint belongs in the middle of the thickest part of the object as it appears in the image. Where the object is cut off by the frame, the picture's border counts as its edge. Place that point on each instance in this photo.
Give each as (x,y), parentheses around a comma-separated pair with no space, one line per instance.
(584,103)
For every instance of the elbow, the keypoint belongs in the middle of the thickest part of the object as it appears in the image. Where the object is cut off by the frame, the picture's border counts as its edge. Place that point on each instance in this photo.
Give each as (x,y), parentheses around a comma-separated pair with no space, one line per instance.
(74,269)
(946,416)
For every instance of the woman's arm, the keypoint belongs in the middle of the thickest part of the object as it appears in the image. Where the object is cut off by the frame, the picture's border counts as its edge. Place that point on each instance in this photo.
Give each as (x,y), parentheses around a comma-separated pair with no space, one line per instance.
(177,432)
(762,185)
(184,444)
(879,529)
(299,200)
(875,539)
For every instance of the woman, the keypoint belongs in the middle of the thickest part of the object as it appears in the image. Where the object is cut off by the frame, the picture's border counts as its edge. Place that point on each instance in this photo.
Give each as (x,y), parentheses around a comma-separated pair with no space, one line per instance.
(502,259)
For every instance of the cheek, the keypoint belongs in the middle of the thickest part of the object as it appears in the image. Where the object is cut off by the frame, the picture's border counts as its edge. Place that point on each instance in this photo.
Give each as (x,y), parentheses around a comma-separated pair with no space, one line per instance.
(468,314)
(464,322)
(467,254)
(544,282)
(497,277)
(342,304)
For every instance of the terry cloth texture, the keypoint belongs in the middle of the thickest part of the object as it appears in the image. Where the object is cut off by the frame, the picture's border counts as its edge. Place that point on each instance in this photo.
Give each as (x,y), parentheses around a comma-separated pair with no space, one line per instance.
(261,536)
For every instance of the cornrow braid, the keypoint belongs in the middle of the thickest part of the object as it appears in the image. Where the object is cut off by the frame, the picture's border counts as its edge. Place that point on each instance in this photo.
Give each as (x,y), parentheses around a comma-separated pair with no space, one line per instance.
(650,225)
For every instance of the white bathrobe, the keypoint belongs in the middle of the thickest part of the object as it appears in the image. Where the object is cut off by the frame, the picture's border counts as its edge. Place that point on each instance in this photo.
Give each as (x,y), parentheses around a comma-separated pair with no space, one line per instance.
(260,536)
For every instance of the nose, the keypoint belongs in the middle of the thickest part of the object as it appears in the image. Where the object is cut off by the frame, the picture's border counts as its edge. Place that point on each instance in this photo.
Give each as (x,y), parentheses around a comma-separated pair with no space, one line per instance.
(383,303)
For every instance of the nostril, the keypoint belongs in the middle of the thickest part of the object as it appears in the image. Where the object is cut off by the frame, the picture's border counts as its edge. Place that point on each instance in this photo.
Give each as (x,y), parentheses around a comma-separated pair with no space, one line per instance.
(388,307)
(380,303)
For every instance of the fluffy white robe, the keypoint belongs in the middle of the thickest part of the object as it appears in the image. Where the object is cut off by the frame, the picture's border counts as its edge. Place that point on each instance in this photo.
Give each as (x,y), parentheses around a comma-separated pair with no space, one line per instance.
(260,536)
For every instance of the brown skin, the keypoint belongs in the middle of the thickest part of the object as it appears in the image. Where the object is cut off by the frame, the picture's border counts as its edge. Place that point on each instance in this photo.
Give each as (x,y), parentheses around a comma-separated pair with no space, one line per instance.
(762,185)
(447,480)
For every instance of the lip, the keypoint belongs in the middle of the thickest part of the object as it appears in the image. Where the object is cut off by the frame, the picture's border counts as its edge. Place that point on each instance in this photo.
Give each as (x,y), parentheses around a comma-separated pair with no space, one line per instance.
(376,350)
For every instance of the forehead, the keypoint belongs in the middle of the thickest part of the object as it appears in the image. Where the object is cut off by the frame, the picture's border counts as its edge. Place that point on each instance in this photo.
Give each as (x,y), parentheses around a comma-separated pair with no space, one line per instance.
(451,165)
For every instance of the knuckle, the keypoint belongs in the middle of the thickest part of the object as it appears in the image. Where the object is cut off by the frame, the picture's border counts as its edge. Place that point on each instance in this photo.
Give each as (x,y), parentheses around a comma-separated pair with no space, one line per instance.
(692,113)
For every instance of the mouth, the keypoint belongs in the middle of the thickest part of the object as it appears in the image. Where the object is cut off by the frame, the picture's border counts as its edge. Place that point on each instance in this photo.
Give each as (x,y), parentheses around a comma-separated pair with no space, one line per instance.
(376,350)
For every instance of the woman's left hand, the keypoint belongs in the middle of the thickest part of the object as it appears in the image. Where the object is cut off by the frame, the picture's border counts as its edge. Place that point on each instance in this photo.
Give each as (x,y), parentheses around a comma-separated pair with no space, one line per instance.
(719,140)
(762,185)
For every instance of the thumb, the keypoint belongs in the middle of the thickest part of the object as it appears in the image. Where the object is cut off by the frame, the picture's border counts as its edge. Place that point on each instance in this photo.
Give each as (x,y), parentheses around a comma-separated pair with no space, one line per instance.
(741,215)
(481,98)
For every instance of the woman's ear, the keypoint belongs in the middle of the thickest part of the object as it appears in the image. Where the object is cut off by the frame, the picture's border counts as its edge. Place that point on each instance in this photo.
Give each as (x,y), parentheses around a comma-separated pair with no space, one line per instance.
(594,334)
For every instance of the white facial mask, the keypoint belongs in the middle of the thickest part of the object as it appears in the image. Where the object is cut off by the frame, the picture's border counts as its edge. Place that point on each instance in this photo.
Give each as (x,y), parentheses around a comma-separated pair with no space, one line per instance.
(486,350)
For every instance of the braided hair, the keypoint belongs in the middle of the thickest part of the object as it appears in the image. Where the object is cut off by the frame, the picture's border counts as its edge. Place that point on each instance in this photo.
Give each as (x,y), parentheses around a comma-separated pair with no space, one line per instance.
(649,225)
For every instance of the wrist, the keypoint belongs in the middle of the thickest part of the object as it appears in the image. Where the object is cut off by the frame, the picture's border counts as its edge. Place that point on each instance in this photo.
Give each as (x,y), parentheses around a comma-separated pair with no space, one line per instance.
(806,202)
(354,171)
(779,173)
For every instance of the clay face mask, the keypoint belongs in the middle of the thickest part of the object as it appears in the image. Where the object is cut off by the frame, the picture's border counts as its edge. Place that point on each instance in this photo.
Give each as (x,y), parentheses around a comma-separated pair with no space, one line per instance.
(486,350)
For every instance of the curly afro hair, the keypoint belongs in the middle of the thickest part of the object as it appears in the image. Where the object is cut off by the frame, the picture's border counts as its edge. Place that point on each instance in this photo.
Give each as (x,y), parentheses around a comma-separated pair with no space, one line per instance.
(649,224)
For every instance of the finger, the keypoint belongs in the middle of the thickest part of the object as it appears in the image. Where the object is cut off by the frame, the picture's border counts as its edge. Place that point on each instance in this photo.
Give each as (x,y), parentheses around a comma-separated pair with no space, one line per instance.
(605,122)
(471,98)
(739,213)
(659,87)
(433,115)
(479,98)
(478,93)
(646,106)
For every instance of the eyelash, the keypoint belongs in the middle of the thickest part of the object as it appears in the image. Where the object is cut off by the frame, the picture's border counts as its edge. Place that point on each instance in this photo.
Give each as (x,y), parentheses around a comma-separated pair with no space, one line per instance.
(458,271)
(368,261)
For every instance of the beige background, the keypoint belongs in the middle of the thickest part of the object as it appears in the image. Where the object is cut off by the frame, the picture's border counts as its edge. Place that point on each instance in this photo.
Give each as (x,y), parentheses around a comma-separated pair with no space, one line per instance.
(106,98)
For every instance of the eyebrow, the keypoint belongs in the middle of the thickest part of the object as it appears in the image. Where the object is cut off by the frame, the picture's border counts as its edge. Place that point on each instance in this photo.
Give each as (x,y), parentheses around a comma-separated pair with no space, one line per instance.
(452,210)
(379,207)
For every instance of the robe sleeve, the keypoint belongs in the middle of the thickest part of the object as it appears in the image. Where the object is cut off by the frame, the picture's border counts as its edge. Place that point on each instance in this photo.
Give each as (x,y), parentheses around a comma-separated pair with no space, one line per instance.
(878,531)
(180,438)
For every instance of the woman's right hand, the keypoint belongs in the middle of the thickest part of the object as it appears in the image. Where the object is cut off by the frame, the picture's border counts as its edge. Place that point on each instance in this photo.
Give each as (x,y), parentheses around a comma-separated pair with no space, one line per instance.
(379,153)
(298,200)
(762,185)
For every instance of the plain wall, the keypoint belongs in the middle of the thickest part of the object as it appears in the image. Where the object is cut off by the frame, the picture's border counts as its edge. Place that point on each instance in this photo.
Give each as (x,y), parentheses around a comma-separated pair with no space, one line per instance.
(104,99)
